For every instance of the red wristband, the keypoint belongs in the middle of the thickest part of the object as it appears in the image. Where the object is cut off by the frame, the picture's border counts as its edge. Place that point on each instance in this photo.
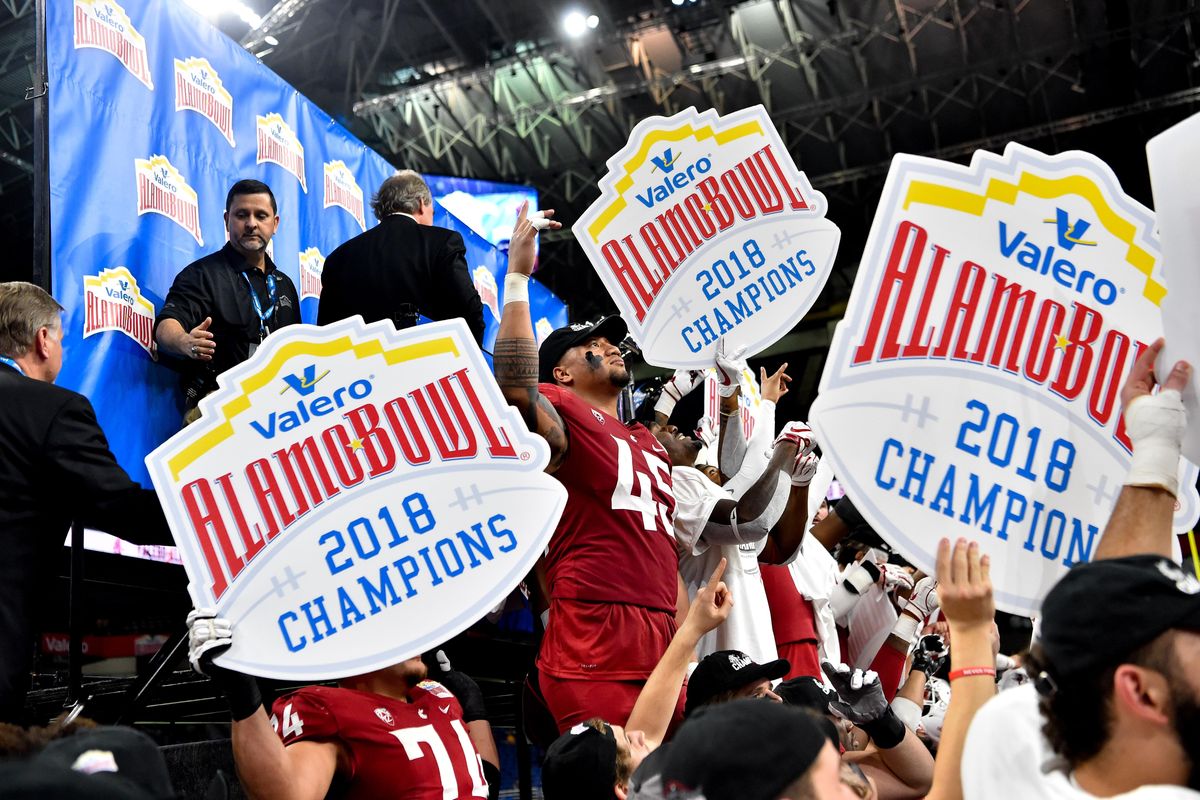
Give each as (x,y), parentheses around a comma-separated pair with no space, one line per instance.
(968,672)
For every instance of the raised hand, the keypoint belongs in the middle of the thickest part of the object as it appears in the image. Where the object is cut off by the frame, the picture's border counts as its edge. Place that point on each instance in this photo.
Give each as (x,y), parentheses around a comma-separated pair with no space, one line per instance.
(799,434)
(774,386)
(712,604)
(964,588)
(804,468)
(521,247)
(730,365)
(1141,380)
(676,388)
(860,694)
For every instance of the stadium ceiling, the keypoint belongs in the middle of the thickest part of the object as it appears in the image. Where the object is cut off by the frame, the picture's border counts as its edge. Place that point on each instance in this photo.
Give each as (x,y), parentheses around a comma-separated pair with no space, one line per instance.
(497,90)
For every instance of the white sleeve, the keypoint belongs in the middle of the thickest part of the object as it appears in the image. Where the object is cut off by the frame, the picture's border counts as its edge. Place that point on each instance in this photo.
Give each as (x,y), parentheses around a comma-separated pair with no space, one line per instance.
(695,498)
(756,453)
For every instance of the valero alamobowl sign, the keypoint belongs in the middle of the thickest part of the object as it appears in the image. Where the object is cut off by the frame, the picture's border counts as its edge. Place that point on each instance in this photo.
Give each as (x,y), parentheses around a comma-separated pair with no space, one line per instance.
(973,387)
(353,496)
(705,228)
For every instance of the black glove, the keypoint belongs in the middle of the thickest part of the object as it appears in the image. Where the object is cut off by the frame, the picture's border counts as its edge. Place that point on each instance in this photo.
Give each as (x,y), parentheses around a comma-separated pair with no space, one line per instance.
(863,703)
(930,654)
(208,637)
(463,687)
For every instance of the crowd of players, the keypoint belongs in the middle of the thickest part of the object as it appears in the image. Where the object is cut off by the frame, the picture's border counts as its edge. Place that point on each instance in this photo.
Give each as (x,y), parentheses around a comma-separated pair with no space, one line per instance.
(706,635)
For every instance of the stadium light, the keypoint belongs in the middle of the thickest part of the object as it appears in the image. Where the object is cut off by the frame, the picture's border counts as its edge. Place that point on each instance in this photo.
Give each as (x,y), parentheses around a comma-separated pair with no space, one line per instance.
(215,8)
(575,24)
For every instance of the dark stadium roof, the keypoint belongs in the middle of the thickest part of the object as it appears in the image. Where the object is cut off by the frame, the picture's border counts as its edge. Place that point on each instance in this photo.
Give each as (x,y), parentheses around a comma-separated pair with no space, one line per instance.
(497,90)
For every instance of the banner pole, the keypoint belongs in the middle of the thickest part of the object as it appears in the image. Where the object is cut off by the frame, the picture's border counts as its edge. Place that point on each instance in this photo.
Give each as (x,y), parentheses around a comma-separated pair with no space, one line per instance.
(41,190)
(1195,556)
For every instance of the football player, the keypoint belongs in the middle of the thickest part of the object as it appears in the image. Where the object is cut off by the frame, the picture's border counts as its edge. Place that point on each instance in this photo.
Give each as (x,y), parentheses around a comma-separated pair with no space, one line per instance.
(389,733)
(610,572)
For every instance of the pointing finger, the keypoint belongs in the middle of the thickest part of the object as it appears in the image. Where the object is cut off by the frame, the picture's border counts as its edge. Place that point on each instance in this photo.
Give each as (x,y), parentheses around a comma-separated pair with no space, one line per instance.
(715,580)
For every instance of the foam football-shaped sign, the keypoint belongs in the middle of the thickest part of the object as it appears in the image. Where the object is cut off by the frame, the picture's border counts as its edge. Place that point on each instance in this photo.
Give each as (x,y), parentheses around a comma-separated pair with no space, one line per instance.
(353,496)
(973,387)
(705,228)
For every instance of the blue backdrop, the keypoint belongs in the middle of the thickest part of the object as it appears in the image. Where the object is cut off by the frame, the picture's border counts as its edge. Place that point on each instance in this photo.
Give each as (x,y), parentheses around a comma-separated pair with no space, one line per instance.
(153,115)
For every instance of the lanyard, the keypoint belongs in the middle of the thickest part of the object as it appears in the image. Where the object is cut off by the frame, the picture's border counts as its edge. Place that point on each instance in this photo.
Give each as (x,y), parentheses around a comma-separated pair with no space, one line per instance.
(11,363)
(258,309)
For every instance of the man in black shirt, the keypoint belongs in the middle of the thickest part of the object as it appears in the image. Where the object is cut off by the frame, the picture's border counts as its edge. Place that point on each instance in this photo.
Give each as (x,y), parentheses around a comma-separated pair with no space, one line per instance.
(222,306)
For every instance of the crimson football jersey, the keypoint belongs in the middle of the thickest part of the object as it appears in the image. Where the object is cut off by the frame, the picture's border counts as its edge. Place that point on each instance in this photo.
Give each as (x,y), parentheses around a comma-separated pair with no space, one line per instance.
(611,564)
(791,612)
(417,750)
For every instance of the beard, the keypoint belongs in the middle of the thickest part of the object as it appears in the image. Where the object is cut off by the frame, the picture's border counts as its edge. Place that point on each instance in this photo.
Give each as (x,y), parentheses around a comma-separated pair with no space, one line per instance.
(1187,728)
(620,378)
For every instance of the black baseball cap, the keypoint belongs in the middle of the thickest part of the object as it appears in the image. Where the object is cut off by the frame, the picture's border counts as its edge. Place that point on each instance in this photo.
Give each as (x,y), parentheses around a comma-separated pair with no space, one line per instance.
(582,763)
(727,670)
(556,345)
(115,757)
(742,750)
(806,692)
(1102,611)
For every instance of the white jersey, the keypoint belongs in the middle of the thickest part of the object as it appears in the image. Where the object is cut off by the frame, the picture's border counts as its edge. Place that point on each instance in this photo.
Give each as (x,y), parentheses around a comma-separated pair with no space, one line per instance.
(1006,756)
(748,627)
(815,573)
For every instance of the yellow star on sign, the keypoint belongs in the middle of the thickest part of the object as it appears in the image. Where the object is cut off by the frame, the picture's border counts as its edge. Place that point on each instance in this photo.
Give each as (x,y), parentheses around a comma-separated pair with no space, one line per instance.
(1061,342)
(355,444)
(707,206)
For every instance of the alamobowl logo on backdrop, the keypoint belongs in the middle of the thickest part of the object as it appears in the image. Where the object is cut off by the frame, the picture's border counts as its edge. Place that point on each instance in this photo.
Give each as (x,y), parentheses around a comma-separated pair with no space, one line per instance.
(973,387)
(198,88)
(162,190)
(312,264)
(112,301)
(279,145)
(705,228)
(343,191)
(352,496)
(104,25)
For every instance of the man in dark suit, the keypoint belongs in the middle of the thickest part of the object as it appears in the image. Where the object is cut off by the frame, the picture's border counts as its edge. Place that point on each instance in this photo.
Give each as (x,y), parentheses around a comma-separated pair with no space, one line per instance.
(402,267)
(55,468)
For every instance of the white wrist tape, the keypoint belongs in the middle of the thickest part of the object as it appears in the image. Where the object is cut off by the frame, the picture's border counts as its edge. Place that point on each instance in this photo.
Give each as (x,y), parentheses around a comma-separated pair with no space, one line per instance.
(665,404)
(516,288)
(908,712)
(1156,424)
(848,591)
(906,627)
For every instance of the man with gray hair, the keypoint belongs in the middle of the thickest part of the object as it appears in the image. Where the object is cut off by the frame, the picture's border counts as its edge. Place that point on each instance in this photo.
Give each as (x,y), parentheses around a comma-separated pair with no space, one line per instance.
(55,469)
(402,268)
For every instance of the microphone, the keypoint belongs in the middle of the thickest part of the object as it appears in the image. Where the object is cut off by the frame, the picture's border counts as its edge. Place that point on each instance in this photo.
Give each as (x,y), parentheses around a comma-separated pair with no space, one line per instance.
(594,361)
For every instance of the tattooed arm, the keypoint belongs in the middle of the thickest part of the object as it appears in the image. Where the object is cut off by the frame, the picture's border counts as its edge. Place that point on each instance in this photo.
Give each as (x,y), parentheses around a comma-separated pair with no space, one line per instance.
(515,355)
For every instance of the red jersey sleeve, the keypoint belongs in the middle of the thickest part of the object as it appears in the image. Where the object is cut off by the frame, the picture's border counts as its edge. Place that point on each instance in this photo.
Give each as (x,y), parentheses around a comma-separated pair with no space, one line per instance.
(303,714)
